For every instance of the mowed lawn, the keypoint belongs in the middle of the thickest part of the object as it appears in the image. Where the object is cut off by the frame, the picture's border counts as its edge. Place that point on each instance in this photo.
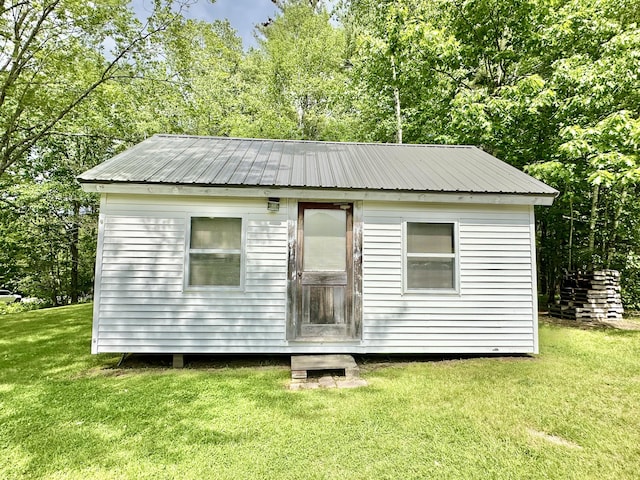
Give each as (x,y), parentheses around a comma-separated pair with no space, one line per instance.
(571,412)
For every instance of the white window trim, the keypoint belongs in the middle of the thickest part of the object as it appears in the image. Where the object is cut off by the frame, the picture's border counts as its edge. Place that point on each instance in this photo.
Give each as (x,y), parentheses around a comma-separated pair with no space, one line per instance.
(455,255)
(188,251)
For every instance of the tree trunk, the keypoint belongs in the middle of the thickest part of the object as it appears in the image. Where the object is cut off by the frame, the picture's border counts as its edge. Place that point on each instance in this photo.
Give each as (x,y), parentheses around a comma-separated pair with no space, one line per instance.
(396,99)
(570,262)
(547,267)
(592,223)
(73,247)
(611,250)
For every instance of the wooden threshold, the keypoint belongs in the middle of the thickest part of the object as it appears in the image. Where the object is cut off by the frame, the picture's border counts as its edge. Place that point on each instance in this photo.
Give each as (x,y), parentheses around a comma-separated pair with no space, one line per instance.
(325,339)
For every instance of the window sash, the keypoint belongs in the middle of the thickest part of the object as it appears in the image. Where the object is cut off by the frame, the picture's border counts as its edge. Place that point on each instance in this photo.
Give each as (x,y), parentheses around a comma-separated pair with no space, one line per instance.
(215,233)
(214,269)
(430,238)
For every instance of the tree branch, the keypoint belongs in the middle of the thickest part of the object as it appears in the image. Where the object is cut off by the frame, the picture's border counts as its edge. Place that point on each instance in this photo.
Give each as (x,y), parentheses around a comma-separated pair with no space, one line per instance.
(11,153)
(17,59)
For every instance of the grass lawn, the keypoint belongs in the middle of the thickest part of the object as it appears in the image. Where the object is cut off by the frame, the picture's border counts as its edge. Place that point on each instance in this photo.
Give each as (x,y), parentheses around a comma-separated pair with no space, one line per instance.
(571,412)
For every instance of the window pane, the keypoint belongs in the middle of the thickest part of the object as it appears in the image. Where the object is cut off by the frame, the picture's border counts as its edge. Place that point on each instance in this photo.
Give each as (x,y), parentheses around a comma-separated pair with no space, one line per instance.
(430,273)
(220,233)
(325,240)
(430,238)
(214,269)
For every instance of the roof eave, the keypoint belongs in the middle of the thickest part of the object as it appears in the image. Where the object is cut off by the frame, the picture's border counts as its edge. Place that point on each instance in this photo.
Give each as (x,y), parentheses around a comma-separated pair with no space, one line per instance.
(325,193)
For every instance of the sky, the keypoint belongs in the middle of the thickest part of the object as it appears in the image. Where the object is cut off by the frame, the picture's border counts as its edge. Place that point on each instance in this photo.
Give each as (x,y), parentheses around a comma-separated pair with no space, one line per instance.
(242,14)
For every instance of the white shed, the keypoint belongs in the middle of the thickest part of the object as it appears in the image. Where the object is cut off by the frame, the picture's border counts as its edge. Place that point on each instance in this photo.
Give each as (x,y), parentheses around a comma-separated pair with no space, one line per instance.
(222,245)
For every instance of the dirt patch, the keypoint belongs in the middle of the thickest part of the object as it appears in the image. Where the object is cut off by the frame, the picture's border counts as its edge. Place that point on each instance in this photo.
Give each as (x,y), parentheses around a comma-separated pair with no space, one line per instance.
(553,439)
(328,381)
(613,324)
(105,371)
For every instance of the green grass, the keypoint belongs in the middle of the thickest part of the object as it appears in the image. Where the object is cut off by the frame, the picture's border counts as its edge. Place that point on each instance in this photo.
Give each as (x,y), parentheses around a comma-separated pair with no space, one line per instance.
(571,412)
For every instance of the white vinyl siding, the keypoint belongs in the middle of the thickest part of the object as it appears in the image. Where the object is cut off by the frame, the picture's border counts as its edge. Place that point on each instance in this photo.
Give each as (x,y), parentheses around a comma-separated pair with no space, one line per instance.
(141,299)
(142,304)
(493,310)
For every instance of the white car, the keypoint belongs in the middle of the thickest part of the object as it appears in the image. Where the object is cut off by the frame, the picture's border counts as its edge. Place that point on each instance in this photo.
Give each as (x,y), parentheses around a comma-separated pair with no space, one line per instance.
(7,297)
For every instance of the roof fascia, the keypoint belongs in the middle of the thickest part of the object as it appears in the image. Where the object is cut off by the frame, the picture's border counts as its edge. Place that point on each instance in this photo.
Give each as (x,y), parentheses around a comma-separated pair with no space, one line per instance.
(322,194)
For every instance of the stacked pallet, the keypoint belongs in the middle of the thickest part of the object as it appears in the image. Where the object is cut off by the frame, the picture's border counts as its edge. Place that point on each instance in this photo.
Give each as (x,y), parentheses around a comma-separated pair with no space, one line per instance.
(589,296)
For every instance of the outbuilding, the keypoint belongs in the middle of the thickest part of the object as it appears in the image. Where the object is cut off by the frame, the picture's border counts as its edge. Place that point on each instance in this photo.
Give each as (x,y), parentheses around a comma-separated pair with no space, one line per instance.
(229,245)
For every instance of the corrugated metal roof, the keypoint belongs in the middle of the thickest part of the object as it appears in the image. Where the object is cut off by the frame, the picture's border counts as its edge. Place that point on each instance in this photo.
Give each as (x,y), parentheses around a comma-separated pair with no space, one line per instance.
(220,161)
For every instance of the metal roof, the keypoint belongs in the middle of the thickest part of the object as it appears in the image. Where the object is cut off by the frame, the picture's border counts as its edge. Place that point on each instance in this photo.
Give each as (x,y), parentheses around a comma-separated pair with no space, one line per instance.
(238,162)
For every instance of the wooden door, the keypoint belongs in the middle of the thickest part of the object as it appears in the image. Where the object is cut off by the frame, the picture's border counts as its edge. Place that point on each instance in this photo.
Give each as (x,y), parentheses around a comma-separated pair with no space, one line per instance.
(324,265)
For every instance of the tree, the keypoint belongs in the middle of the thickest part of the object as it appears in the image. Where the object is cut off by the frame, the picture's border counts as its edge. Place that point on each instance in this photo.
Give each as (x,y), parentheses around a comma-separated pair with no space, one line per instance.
(48,224)
(592,70)
(403,69)
(55,54)
(295,81)
(201,62)
(72,93)
(547,86)
(48,238)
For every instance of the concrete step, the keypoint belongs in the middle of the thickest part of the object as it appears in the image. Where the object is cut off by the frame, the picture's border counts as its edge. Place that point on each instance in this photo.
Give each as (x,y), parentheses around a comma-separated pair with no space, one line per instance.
(302,364)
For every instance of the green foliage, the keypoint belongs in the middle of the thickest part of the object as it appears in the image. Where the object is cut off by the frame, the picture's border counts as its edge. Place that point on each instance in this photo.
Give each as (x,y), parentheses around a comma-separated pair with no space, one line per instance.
(48,224)
(403,59)
(67,71)
(200,95)
(631,281)
(54,56)
(295,81)
(550,87)
(24,306)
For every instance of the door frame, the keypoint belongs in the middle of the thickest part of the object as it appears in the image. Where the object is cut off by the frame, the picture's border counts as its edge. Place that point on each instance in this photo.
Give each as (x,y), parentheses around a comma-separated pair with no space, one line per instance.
(354,268)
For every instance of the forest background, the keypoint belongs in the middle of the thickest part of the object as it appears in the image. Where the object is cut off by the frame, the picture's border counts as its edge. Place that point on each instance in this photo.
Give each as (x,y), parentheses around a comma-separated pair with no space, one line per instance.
(550,86)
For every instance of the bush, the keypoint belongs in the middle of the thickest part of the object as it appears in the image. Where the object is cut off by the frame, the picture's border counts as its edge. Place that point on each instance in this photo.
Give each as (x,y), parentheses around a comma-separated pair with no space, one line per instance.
(24,306)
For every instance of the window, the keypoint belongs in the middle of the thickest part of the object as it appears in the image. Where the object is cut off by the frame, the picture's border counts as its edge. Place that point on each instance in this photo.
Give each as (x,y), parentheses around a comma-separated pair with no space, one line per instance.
(430,261)
(215,252)
(325,244)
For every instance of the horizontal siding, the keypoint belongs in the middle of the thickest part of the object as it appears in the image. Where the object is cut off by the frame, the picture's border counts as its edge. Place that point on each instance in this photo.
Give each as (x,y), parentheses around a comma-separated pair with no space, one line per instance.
(143,304)
(197,322)
(493,308)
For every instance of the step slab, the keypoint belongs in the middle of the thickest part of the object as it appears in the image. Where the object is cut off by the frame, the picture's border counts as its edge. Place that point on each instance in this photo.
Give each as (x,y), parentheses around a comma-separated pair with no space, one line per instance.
(301,364)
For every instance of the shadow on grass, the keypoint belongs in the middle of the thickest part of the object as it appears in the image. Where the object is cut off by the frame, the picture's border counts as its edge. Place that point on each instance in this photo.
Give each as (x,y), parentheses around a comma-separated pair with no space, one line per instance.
(204,362)
(622,327)
(78,424)
(45,343)
(283,361)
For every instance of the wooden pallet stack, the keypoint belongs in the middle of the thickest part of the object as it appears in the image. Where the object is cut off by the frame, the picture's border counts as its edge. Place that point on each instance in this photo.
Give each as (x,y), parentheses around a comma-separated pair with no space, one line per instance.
(589,296)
